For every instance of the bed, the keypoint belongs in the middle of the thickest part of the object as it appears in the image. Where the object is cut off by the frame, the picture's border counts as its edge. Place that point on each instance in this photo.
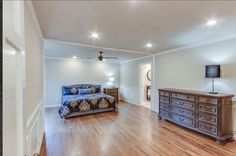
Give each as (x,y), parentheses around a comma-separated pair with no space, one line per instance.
(82,99)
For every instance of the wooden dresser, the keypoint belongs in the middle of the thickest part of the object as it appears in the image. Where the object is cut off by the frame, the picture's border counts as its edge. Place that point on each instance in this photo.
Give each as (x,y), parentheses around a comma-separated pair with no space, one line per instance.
(210,114)
(112,92)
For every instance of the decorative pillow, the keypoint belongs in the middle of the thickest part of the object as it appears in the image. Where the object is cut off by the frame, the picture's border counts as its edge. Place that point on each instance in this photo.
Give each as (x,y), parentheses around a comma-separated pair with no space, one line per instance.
(98,88)
(67,91)
(93,90)
(74,90)
(85,91)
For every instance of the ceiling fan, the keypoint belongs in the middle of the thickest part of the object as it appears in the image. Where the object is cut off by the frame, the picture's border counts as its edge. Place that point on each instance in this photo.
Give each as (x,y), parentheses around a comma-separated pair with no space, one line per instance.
(102,58)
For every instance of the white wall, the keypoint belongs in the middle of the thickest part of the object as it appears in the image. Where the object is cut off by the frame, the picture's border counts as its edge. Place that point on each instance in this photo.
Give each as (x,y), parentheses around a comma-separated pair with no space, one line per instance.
(34,63)
(186,68)
(68,72)
(129,80)
(34,91)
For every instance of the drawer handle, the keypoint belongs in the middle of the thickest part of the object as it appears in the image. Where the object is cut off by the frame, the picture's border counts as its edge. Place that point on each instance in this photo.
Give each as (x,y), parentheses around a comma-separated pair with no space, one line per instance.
(207,109)
(208,128)
(208,118)
(181,119)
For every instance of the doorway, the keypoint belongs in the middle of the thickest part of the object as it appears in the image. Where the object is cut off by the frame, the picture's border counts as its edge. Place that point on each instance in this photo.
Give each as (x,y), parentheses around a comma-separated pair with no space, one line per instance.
(145,85)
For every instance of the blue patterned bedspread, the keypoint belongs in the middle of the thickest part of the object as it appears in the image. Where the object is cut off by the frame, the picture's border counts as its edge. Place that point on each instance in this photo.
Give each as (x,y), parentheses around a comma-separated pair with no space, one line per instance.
(86,102)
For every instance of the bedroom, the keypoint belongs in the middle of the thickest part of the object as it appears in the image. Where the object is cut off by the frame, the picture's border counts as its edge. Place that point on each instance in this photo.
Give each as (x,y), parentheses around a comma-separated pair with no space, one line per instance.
(119,78)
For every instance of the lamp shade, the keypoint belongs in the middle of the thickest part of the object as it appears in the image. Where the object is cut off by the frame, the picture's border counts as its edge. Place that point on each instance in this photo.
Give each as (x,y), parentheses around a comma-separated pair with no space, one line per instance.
(112,79)
(213,71)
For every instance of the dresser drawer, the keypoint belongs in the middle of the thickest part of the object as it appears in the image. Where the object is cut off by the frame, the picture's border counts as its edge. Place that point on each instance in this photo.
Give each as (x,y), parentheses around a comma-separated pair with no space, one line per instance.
(208,118)
(112,94)
(182,120)
(182,111)
(164,106)
(111,91)
(208,109)
(164,114)
(164,99)
(207,100)
(184,97)
(211,129)
(184,104)
(163,93)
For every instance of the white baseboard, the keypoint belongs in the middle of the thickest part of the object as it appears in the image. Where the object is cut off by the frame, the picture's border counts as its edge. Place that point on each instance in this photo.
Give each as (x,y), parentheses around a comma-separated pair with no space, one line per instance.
(32,117)
(234,135)
(51,106)
(156,111)
(40,143)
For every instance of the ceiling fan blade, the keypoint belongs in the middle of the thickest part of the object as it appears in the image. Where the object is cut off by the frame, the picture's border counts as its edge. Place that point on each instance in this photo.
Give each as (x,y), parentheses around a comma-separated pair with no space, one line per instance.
(90,58)
(111,58)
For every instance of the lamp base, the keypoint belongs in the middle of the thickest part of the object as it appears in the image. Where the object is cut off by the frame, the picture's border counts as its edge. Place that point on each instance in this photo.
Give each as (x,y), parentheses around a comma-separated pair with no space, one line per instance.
(213,93)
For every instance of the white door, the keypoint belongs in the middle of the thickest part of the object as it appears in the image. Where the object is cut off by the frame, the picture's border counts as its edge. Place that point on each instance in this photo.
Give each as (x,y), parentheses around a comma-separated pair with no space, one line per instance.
(13,78)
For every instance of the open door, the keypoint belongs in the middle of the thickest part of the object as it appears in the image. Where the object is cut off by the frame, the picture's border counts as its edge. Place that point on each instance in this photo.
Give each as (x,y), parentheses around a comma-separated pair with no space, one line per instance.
(145,85)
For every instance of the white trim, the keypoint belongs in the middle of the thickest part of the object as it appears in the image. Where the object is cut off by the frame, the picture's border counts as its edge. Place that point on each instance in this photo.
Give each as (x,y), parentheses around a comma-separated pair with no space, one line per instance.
(36,22)
(51,106)
(154,104)
(98,47)
(234,135)
(79,60)
(198,44)
(35,125)
(32,116)
(40,143)
(135,59)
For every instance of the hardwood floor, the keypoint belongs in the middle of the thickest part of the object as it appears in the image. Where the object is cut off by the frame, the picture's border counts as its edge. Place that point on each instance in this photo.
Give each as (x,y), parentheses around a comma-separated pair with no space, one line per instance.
(133,131)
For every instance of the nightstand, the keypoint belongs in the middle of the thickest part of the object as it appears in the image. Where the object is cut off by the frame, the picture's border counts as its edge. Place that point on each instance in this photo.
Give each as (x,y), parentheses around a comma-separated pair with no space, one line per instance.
(112,92)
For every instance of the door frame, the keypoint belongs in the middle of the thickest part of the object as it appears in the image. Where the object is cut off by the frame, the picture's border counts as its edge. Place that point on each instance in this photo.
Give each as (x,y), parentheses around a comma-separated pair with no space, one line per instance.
(140,82)
(13,36)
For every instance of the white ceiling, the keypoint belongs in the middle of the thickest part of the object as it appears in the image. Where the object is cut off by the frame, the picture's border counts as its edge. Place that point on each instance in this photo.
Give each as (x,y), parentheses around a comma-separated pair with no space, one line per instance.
(58,49)
(131,24)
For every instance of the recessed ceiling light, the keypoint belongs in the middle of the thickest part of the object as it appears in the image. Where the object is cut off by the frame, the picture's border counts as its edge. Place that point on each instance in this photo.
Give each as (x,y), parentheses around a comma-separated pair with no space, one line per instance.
(94,35)
(211,22)
(74,57)
(148,45)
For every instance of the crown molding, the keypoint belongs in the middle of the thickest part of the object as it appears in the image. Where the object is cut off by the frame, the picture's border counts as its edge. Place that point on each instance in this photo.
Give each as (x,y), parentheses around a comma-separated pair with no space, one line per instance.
(78,60)
(35,19)
(135,59)
(198,44)
(195,45)
(97,47)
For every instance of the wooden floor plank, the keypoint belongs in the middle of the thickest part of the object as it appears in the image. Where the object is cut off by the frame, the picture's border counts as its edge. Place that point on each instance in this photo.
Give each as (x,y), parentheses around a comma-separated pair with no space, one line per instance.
(130,132)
